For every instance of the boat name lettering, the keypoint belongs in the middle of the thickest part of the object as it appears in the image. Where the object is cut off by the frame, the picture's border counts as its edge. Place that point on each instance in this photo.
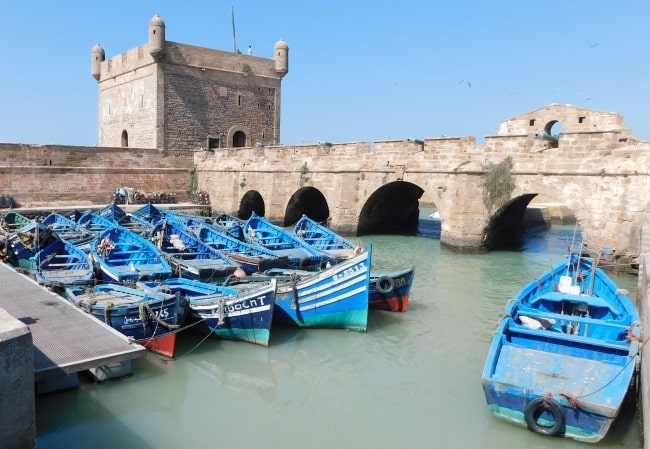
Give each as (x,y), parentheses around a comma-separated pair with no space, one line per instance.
(164,313)
(247,304)
(349,271)
(400,280)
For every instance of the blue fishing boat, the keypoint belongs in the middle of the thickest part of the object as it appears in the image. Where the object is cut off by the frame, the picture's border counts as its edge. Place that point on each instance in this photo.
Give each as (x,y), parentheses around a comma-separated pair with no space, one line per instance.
(95,223)
(389,290)
(335,298)
(151,319)
(564,356)
(226,312)
(260,231)
(69,230)
(120,255)
(232,225)
(190,257)
(252,257)
(132,222)
(61,263)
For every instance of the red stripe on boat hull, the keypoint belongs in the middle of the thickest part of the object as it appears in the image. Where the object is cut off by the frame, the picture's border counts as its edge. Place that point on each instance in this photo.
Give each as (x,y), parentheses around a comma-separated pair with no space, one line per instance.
(392,303)
(163,345)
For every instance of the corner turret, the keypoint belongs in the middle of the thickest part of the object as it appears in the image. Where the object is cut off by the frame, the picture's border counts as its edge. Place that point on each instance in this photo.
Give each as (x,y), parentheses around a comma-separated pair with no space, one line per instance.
(97,56)
(156,37)
(281,57)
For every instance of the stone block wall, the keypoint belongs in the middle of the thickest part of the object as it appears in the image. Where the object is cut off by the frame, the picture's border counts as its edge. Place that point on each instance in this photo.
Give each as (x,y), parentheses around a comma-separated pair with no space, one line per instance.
(34,174)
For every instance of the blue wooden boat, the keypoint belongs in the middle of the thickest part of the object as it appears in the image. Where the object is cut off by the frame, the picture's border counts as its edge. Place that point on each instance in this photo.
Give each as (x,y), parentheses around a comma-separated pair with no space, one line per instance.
(389,290)
(151,319)
(120,255)
(95,223)
(69,230)
(253,258)
(61,263)
(190,257)
(232,225)
(564,356)
(260,231)
(226,312)
(335,298)
(132,222)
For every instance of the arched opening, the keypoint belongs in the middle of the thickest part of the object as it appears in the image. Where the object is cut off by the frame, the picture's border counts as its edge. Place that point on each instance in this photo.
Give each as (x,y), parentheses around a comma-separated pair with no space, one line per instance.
(529,214)
(506,227)
(391,209)
(552,132)
(308,201)
(125,138)
(251,201)
(239,140)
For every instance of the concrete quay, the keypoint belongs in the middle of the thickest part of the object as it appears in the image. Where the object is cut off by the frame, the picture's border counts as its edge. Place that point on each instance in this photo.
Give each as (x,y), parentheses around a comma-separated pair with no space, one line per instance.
(45,341)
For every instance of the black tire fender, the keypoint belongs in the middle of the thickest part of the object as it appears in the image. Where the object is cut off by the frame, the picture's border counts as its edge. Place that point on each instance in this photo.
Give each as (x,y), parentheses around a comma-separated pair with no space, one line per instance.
(540,405)
(385,284)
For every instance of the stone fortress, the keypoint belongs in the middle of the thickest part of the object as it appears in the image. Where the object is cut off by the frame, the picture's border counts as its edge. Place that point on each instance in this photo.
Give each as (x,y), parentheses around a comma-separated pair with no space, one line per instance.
(174,117)
(170,95)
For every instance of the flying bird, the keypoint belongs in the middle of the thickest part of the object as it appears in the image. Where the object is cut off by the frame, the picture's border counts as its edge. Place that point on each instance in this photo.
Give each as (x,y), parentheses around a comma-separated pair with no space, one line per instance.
(466,82)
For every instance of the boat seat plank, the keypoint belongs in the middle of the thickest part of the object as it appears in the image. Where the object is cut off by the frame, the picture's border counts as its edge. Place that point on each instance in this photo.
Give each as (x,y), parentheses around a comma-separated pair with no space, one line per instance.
(575,339)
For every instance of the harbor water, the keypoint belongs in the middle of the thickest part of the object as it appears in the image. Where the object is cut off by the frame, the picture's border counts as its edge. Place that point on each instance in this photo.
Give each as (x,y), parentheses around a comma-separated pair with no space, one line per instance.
(413,380)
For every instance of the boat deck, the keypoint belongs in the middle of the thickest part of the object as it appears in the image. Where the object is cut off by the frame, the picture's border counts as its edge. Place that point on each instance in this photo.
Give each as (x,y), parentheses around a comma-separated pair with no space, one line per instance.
(65,338)
(541,371)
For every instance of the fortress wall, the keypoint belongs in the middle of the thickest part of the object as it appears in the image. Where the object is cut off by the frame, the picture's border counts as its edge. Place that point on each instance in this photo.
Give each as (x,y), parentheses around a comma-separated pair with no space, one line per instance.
(66,174)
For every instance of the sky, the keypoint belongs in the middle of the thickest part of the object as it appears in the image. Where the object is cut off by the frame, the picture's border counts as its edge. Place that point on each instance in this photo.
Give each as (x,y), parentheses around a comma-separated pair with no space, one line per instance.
(359,71)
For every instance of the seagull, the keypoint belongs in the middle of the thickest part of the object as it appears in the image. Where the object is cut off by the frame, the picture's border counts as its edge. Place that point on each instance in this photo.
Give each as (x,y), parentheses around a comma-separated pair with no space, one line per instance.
(466,82)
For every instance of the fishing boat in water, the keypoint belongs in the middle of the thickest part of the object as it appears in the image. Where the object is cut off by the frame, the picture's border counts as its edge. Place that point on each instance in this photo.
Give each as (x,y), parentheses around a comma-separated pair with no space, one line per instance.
(232,225)
(151,319)
(189,256)
(70,230)
(389,290)
(260,231)
(335,298)
(225,312)
(61,264)
(120,256)
(564,356)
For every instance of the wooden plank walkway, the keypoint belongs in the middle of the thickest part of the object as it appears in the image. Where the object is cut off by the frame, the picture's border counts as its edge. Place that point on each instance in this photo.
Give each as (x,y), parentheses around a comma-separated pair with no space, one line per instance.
(65,338)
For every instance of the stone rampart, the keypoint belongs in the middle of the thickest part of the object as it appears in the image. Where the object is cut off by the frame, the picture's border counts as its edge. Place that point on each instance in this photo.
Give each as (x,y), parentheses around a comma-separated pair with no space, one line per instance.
(58,174)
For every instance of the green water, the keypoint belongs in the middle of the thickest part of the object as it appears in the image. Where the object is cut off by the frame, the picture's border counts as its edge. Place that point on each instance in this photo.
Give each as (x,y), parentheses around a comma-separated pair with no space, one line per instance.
(412,381)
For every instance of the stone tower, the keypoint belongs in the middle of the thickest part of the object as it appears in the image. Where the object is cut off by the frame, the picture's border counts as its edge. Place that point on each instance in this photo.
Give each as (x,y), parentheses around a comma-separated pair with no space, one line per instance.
(182,98)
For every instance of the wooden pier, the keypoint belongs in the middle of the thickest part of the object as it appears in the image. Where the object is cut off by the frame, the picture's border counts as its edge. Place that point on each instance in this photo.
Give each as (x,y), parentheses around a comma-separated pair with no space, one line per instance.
(66,339)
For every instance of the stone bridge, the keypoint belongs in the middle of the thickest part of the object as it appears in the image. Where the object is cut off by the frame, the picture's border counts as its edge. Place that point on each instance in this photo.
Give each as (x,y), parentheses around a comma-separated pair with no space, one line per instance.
(582,158)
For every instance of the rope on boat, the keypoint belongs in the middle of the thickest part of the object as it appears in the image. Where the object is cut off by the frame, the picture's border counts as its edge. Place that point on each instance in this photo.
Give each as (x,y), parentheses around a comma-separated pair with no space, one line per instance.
(145,311)
(573,400)
(294,289)
(107,312)
(222,312)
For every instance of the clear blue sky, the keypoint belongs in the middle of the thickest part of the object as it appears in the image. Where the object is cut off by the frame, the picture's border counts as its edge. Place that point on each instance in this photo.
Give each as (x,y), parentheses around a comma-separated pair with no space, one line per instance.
(358,71)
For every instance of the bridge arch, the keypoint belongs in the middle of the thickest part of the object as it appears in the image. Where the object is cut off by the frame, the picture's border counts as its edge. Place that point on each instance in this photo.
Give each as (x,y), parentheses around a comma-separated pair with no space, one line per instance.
(306,201)
(251,201)
(391,209)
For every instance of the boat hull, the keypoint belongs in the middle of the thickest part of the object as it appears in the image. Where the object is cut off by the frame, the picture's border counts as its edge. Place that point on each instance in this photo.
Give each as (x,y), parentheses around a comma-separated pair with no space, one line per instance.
(150,319)
(225,312)
(564,357)
(390,290)
(336,297)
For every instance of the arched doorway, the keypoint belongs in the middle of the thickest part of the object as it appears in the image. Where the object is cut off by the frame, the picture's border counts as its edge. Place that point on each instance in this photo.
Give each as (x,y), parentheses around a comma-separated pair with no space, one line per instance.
(125,138)
(239,139)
